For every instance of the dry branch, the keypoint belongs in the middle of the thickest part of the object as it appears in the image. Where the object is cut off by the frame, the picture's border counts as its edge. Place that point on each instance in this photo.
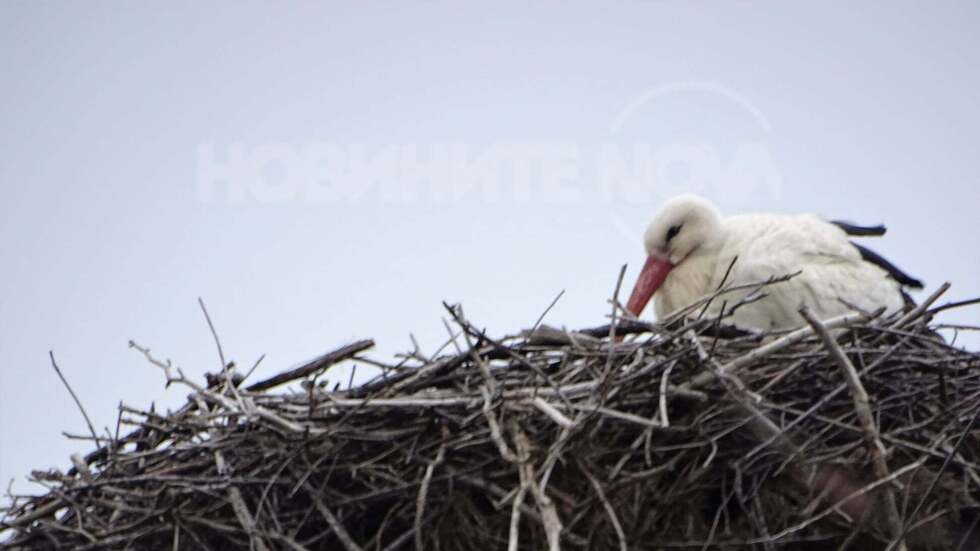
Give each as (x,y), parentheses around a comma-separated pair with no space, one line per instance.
(633,435)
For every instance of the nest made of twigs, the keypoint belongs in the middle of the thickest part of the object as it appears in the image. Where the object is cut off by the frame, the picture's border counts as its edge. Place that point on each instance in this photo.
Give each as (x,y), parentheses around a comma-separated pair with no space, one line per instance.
(858,431)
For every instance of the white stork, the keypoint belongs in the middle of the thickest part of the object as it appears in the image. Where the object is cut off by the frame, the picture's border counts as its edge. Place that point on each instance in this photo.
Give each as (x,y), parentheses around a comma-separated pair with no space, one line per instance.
(690,248)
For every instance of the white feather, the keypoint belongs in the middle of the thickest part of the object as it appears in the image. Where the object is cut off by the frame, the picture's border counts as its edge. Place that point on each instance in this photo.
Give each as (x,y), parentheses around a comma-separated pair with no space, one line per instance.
(833,278)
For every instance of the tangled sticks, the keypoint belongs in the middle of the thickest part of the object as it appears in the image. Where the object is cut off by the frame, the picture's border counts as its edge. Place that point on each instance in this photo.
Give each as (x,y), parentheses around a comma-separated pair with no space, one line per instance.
(858,433)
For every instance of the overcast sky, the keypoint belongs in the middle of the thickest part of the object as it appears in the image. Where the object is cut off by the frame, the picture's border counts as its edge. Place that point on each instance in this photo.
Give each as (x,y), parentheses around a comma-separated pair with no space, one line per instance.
(323,173)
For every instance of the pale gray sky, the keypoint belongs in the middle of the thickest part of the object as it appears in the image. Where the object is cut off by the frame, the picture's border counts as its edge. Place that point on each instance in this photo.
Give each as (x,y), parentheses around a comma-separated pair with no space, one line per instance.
(151,155)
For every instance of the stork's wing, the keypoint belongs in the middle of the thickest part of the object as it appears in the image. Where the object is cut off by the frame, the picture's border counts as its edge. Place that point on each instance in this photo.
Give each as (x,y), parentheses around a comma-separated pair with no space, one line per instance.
(861,231)
(835,275)
(898,275)
(870,256)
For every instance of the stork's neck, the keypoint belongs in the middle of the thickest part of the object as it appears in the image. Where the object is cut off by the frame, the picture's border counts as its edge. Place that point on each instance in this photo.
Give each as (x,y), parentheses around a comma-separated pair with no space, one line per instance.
(711,239)
(707,251)
(688,281)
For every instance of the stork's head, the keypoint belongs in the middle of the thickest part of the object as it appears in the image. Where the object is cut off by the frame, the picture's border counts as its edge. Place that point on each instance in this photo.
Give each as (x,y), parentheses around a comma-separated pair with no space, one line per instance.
(685,224)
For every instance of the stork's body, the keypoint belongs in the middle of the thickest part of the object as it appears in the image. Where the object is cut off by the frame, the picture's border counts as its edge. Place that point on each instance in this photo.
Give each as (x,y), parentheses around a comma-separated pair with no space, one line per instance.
(691,248)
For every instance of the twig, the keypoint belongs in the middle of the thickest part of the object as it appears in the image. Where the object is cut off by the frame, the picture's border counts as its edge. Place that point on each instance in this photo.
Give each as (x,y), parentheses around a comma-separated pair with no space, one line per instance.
(345,539)
(423,491)
(78,402)
(316,365)
(935,480)
(921,308)
(863,410)
(767,349)
(241,509)
(495,433)
(552,413)
(217,341)
(853,495)
(613,318)
(513,538)
(546,507)
(664,380)
(610,510)
(546,310)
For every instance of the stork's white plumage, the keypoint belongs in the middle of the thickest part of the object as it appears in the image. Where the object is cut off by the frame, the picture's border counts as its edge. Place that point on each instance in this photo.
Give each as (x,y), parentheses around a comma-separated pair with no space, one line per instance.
(690,248)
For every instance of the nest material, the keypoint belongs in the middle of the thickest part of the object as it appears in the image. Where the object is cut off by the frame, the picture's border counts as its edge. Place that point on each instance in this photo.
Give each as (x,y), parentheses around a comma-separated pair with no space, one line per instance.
(859,432)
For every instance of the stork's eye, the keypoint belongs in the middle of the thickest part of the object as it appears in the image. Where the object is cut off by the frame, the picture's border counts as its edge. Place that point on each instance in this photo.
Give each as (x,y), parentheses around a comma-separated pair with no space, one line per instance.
(673,231)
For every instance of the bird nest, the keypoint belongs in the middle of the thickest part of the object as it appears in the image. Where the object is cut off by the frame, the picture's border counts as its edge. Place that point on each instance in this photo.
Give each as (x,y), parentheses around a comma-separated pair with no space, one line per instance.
(857,432)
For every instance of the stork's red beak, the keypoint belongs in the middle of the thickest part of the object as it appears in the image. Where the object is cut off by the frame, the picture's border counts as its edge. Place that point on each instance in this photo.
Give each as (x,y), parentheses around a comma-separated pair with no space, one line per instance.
(652,276)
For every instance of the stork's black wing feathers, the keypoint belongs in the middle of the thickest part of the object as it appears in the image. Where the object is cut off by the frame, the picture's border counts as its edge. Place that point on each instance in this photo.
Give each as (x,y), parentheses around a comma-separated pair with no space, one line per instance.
(870,256)
(878,260)
(862,231)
